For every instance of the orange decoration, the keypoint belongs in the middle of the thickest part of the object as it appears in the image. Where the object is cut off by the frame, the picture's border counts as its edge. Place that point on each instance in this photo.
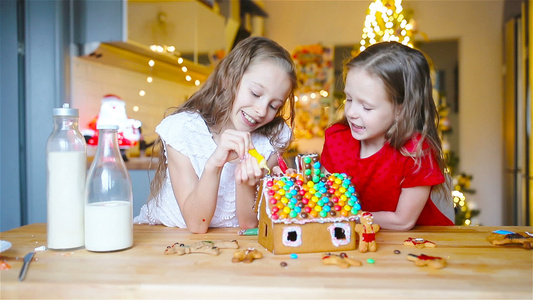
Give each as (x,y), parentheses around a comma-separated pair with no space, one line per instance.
(4,266)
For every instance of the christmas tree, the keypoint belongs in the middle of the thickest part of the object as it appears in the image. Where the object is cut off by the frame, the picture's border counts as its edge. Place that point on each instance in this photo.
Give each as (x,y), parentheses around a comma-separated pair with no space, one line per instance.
(387,21)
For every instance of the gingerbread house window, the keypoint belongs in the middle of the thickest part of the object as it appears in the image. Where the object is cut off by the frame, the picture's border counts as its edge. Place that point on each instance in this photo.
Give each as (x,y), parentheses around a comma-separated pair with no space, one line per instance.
(340,234)
(292,236)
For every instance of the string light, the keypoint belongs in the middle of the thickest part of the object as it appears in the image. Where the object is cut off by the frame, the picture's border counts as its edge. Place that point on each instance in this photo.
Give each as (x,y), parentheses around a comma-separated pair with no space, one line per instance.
(162,48)
(170,49)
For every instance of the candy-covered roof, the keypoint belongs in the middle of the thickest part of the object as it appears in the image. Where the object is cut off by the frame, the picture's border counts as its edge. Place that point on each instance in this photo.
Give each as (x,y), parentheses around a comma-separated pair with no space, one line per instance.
(310,196)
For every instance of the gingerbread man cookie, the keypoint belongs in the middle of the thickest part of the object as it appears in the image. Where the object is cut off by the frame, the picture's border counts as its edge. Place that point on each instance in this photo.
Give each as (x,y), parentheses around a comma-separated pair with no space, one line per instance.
(342,261)
(419,243)
(504,237)
(246,256)
(207,247)
(367,233)
(433,262)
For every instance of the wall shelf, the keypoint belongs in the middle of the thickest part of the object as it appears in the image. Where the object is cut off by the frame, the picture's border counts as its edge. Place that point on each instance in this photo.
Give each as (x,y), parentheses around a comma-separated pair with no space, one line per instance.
(134,57)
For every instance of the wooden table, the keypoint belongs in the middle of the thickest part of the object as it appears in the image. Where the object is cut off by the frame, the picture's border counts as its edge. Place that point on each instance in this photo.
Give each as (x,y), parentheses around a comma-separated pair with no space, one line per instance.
(476,269)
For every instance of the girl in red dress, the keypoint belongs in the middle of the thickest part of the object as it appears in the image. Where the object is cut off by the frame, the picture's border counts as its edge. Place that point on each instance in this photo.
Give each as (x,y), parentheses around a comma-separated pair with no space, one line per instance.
(387,140)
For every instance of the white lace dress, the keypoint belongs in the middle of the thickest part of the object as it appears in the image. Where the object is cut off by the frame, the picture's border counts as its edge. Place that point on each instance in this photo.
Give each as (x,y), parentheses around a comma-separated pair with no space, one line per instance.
(188,134)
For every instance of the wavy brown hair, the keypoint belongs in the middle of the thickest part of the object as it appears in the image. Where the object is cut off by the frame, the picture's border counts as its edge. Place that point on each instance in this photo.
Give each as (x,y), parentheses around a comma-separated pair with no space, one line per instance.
(214,100)
(405,73)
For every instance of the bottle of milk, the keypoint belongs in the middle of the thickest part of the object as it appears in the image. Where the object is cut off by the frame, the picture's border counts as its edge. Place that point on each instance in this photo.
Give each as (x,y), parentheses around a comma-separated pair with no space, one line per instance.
(108,197)
(66,161)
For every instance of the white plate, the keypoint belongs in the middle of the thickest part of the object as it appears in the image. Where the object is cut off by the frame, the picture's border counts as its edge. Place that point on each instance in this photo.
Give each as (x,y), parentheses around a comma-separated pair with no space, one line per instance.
(4,245)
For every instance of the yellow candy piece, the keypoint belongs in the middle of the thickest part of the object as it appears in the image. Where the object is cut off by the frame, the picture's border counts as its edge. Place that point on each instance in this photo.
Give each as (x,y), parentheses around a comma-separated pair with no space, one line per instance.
(260,159)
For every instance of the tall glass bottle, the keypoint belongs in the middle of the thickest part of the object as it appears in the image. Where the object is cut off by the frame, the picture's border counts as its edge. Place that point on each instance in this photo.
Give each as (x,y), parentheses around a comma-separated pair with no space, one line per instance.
(66,162)
(109,197)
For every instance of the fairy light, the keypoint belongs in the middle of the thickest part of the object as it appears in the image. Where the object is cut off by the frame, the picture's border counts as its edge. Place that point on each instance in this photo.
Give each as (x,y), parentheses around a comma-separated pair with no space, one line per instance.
(162,48)
(386,22)
(170,49)
(142,93)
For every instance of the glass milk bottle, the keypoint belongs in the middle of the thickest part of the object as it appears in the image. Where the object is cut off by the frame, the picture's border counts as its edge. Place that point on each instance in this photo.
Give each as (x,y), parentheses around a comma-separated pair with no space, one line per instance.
(66,163)
(109,197)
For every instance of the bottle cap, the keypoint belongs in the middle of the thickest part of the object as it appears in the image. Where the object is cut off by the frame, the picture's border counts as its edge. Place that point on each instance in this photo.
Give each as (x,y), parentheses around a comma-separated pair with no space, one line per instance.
(107,126)
(66,111)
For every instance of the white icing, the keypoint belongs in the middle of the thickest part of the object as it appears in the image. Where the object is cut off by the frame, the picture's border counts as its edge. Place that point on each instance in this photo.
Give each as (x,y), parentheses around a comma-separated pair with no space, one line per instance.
(347,232)
(298,241)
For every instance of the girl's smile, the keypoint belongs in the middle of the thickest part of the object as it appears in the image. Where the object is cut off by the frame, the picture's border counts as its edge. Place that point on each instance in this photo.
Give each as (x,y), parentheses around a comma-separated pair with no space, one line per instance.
(357,128)
(248,119)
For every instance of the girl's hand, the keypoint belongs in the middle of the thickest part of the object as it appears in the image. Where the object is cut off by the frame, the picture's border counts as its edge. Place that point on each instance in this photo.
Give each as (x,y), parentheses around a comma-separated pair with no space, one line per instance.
(232,145)
(248,172)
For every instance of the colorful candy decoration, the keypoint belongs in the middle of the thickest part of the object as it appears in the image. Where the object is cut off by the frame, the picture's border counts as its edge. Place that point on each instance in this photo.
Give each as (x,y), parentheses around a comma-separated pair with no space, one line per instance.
(311,194)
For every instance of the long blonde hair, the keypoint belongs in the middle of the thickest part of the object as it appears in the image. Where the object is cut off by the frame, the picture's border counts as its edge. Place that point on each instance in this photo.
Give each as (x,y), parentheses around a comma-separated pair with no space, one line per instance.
(215,98)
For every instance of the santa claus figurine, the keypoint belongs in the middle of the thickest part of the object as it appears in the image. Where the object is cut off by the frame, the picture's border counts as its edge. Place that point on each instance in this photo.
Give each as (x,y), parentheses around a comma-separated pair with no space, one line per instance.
(113,112)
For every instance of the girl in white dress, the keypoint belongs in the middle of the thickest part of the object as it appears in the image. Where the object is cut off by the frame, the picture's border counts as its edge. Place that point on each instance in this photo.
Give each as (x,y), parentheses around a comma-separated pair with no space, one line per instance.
(206,177)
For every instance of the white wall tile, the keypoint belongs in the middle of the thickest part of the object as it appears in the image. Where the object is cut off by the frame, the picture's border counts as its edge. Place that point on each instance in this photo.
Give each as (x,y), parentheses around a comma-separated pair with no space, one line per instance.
(94,80)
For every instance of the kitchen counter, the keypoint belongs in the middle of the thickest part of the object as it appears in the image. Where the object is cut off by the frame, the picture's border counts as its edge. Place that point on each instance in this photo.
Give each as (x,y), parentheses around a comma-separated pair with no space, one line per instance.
(475,268)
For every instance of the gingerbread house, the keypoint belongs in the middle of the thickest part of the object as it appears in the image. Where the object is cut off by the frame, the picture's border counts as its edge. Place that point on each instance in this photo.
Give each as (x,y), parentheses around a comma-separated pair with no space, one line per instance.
(308,211)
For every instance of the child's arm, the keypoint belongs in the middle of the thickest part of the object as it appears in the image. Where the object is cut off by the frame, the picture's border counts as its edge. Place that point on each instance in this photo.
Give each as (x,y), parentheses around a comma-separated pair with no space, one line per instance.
(247,177)
(412,201)
(245,201)
(197,197)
